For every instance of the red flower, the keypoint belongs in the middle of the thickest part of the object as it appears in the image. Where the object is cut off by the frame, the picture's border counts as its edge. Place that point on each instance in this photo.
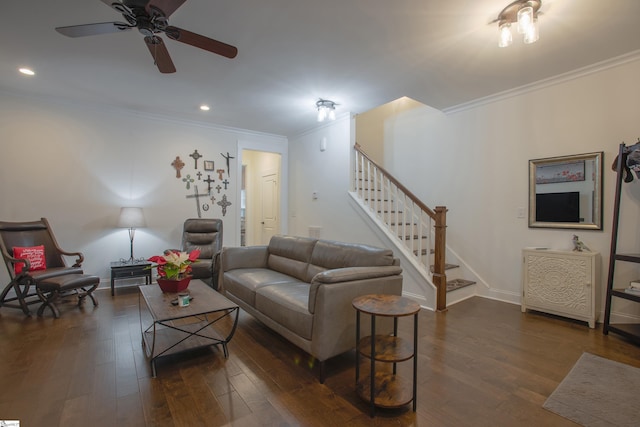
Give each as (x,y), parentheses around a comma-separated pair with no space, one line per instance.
(193,256)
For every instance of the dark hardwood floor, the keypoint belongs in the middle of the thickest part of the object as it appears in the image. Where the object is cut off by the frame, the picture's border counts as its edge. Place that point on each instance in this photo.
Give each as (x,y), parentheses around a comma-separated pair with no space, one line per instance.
(482,363)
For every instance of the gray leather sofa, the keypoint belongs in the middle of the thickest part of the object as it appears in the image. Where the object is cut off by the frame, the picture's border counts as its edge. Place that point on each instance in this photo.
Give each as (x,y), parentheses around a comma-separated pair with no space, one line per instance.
(302,288)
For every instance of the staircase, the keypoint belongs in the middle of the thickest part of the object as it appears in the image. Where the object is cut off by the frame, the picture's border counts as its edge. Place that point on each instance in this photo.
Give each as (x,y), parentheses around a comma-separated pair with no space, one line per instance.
(418,231)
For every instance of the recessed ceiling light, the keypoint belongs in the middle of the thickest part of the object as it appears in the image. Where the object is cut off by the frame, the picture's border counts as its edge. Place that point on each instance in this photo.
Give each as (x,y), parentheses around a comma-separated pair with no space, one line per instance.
(204,107)
(27,71)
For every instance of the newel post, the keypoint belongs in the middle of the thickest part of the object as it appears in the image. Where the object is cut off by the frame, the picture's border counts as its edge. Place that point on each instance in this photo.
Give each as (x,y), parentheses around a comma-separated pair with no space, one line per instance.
(439,276)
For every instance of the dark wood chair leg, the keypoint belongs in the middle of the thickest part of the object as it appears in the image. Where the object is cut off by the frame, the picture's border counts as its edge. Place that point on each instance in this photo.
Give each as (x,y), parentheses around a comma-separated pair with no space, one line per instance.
(322,371)
(49,301)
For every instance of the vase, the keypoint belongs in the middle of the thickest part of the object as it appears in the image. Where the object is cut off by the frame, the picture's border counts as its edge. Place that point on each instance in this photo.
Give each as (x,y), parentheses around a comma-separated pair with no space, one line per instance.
(173,285)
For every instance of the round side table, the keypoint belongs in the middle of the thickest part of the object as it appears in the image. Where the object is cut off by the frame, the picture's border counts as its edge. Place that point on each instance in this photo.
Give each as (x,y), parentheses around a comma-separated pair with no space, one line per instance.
(383,389)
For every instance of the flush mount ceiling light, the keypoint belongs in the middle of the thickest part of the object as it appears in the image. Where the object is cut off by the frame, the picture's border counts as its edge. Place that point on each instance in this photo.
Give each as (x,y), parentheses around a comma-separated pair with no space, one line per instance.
(524,13)
(27,71)
(326,109)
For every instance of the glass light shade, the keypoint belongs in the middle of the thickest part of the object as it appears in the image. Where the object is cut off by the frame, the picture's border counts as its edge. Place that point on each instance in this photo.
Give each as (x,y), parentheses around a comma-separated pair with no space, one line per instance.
(525,19)
(532,35)
(131,218)
(322,113)
(332,114)
(505,35)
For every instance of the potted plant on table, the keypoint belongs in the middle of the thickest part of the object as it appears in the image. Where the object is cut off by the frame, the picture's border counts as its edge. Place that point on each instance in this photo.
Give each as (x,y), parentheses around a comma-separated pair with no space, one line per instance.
(174,269)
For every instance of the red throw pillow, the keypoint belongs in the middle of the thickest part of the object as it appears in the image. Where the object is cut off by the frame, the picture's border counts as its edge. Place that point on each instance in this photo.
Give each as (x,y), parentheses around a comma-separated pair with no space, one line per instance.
(35,255)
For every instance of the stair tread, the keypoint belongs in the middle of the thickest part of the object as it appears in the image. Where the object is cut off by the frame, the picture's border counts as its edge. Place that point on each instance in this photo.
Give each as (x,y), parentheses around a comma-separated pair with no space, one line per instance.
(454,284)
(447,266)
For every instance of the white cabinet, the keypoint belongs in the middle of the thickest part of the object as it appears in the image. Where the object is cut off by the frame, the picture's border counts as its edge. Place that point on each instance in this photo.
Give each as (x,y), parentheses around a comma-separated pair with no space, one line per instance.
(564,283)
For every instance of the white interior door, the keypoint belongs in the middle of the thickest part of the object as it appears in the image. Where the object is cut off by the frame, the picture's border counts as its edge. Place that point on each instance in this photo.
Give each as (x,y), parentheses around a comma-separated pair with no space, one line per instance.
(270,202)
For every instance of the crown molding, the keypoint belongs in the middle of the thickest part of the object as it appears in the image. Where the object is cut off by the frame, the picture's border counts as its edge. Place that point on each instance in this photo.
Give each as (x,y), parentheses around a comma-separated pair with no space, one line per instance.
(551,81)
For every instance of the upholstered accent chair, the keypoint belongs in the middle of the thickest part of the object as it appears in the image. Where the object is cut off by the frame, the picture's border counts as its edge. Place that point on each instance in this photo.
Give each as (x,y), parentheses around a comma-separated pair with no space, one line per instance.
(204,234)
(38,270)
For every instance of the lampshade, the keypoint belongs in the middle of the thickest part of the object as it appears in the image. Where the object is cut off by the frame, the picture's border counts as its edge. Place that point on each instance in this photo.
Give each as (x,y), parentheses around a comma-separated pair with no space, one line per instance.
(532,34)
(505,35)
(131,218)
(525,19)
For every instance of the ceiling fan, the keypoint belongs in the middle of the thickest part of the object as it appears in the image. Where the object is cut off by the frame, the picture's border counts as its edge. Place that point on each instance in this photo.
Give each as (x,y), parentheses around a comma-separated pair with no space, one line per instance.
(150,17)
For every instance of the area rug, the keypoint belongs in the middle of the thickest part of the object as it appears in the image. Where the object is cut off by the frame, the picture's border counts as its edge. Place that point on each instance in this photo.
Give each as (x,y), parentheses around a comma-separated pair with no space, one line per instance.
(598,392)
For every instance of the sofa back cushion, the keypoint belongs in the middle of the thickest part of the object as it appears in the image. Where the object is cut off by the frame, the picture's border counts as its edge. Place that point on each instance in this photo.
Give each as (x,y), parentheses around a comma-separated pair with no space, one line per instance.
(328,255)
(290,255)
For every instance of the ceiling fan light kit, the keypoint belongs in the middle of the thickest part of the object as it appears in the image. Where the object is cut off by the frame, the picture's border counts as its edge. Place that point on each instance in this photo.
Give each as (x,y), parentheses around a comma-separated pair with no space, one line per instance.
(524,13)
(150,18)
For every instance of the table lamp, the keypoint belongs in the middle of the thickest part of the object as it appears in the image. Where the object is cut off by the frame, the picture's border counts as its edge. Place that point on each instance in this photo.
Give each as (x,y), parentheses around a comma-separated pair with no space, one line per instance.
(131,218)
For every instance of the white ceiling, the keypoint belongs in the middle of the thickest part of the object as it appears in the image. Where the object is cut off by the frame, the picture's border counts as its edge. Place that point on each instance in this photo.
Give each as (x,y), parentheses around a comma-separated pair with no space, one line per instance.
(358,53)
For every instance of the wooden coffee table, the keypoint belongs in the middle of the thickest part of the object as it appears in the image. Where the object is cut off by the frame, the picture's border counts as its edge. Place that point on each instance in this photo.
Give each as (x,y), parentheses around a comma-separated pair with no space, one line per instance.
(209,319)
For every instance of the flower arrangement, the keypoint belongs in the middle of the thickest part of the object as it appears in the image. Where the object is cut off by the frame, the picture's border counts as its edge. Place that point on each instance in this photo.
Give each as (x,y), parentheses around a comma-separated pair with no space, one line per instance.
(174,265)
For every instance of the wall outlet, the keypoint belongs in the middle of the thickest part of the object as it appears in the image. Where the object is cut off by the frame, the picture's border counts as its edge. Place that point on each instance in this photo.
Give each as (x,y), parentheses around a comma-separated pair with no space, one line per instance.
(521,212)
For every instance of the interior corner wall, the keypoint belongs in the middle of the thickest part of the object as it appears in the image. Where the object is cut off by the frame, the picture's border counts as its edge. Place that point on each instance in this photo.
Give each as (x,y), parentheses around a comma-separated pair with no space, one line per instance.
(78,164)
(475,162)
(327,175)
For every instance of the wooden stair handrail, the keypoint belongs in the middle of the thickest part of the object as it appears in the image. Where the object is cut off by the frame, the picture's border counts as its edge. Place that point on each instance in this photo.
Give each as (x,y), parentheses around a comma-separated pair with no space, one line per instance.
(439,216)
(397,183)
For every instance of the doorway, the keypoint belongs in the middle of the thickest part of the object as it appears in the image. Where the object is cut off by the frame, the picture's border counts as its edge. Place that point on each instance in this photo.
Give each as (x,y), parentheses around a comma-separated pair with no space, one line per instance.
(260,195)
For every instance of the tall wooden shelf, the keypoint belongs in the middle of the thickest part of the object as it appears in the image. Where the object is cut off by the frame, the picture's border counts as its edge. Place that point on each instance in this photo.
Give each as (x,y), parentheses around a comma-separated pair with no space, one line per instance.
(617,290)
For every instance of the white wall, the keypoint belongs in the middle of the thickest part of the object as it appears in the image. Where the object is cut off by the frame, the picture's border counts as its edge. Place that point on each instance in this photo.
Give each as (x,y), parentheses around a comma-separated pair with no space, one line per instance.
(77,165)
(475,162)
(328,173)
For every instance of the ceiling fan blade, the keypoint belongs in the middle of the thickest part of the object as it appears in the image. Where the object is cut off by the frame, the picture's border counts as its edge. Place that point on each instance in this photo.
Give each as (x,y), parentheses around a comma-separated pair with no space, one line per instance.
(93,29)
(201,42)
(160,54)
(167,7)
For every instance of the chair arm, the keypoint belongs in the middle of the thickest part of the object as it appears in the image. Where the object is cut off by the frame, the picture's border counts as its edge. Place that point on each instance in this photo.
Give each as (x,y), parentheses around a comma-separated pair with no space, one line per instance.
(14,261)
(79,260)
(243,257)
(349,274)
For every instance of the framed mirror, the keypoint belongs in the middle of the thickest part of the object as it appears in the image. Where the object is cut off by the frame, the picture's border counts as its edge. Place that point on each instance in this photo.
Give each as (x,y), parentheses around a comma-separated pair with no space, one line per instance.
(566,192)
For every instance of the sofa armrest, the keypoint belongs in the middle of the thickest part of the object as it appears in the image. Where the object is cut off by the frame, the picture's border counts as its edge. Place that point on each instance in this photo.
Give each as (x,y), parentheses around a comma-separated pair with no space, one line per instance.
(350,274)
(355,273)
(334,318)
(243,257)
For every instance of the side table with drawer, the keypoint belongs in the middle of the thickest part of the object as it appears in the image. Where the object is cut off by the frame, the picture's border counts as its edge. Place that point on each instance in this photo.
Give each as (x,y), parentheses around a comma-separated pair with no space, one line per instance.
(130,269)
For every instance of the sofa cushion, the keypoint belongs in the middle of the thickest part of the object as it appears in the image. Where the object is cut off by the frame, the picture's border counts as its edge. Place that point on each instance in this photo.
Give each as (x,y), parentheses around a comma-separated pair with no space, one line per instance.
(290,255)
(286,304)
(329,255)
(244,282)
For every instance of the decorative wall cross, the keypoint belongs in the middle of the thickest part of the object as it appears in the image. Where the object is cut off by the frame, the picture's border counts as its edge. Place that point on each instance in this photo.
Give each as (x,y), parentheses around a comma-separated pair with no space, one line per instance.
(195,156)
(209,181)
(220,172)
(224,203)
(177,165)
(196,196)
(218,188)
(227,158)
(225,182)
(199,175)
(188,180)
